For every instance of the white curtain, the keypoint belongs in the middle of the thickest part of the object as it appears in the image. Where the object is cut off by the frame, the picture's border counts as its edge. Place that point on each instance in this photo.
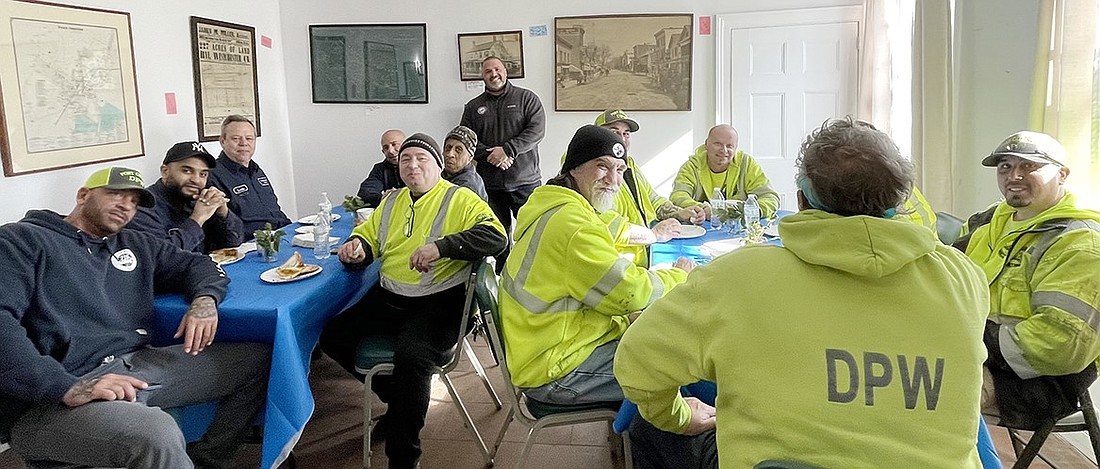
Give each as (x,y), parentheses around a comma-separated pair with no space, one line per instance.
(886,71)
(934,95)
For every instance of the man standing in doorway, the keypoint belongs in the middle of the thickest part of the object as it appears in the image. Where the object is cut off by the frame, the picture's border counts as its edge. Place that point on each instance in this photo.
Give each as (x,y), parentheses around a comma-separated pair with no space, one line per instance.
(510,124)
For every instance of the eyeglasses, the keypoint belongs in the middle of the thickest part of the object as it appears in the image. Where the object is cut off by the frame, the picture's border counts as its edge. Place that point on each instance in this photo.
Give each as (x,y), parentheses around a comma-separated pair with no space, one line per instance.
(409,221)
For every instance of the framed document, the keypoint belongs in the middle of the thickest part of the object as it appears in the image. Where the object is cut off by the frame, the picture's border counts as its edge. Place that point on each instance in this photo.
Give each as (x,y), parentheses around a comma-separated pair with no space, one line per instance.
(67,87)
(224,63)
(369,63)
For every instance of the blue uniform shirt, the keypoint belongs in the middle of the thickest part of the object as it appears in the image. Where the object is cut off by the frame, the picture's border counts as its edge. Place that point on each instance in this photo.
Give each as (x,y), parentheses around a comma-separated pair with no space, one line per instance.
(250,194)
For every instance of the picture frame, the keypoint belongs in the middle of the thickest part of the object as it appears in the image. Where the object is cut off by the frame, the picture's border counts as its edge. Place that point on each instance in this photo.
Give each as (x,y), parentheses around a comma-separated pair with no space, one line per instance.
(369,63)
(223,60)
(473,48)
(77,63)
(645,60)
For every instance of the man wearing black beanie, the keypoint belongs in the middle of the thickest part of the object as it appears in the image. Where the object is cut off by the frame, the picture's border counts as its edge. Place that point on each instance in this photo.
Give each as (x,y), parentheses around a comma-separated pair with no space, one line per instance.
(566,293)
(427,236)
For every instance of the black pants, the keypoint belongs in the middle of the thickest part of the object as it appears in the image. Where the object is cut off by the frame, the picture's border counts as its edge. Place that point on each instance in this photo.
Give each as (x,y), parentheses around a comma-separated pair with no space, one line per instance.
(424,331)
(654,448)
(505,205)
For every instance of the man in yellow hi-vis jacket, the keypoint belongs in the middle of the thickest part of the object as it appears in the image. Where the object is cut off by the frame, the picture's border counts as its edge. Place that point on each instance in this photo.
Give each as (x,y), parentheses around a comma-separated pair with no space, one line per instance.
(838,349)
(718,164)
(565,292)
(425,234)
(1041,257)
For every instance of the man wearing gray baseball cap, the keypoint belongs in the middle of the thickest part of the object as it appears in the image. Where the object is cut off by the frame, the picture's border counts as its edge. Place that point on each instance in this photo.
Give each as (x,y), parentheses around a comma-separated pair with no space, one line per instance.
(1041,255)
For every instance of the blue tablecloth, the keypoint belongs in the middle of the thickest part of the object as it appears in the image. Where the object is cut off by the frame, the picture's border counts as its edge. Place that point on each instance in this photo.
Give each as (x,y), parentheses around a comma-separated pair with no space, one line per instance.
(290,316)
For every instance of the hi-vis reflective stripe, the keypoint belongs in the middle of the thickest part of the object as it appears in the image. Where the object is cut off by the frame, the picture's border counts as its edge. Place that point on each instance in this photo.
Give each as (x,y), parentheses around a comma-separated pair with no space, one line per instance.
(596,294)
(616,224)
(1067,303)
(426,285)
(1010,350)
(384,227)
(912,205)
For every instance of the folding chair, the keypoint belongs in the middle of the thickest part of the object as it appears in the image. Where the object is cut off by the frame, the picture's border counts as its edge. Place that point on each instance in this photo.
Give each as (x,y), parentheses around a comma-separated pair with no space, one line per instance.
(1082,421)
(536,415)
(374,356)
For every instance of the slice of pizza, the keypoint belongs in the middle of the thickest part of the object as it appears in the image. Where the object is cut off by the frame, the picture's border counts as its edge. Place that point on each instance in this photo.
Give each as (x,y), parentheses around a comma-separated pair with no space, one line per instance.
(221,256)
(293,267)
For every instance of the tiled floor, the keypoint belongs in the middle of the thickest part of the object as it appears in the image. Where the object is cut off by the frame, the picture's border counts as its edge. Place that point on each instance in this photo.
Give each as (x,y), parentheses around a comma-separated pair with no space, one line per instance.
(333,438)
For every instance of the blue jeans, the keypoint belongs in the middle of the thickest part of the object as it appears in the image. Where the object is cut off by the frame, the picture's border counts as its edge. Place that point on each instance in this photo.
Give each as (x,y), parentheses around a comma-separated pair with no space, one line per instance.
(592,381)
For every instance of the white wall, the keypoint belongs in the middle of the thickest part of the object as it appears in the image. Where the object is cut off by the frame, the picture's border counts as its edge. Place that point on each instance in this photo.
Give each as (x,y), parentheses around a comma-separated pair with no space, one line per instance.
(334,145)
(996,47)
(162,55)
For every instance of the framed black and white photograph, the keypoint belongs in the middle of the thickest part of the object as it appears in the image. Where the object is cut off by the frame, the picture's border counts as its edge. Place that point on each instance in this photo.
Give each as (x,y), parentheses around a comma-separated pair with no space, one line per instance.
(632,62)
(369,63)
(473,48)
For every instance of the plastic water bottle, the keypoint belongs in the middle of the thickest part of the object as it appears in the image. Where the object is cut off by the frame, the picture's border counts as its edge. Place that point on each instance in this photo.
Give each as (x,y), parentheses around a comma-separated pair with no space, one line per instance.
(752,211)
(320,235)
(717,204)
(326,209)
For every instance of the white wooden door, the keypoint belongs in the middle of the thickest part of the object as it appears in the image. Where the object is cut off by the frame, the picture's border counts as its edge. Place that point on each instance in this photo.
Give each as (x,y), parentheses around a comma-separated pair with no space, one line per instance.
(781,80)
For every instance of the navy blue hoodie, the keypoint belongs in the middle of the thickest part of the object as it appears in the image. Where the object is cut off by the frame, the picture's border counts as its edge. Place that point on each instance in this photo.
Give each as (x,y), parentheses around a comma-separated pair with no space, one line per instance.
(70,299)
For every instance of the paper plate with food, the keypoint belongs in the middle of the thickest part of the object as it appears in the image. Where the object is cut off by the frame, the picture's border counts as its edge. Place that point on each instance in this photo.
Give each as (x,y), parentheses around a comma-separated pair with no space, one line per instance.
(227,255)
(291,270)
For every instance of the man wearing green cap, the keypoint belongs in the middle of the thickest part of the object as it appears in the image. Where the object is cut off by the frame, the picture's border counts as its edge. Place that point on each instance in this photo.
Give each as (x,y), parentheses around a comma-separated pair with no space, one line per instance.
(651,217)
(82,383)
(1041,255)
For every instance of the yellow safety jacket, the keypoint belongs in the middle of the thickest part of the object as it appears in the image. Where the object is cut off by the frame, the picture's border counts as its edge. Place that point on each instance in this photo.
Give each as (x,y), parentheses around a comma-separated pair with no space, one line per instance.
(839,349)
(1044,286)
(400,226)
(695,182)
(565,290)
(917,210)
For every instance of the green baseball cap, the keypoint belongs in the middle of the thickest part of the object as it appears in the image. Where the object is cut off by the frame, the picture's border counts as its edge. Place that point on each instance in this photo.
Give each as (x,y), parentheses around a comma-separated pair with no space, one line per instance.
(117,177)
(612,116)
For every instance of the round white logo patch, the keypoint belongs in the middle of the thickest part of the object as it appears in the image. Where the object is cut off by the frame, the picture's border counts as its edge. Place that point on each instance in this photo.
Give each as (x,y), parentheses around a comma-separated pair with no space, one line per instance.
(618,150)
(481,110)
(124,260)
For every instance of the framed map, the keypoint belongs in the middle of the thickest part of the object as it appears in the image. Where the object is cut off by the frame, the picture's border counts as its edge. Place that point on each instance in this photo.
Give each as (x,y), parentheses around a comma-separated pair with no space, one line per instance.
(224,63)
(67,87)
(369,63)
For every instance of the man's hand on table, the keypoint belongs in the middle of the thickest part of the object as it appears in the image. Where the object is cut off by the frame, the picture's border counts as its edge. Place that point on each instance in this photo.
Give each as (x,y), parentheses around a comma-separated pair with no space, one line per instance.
(352,252)
(685,264)
(702,417)
(199,325)
(424,257)
(694,214)
(666,229)
(109,387)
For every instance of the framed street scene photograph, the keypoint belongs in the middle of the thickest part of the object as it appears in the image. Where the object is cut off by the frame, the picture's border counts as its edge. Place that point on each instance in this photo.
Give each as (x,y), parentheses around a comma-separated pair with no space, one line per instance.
(67,87)
(475,47)
(631,62)
(224,62)
(369,63)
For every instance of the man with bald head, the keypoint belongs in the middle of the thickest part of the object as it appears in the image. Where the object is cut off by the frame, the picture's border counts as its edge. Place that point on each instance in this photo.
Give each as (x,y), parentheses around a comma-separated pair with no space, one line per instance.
(383,177)
(509,123)
(718,163)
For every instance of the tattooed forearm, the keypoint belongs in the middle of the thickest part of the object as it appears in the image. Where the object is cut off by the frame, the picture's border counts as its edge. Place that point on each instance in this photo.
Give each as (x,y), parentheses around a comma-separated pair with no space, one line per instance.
(667,210)
(202,307)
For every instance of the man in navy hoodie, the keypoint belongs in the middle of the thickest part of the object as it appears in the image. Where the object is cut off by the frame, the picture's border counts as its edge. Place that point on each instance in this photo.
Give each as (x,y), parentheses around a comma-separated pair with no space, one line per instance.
(80,383)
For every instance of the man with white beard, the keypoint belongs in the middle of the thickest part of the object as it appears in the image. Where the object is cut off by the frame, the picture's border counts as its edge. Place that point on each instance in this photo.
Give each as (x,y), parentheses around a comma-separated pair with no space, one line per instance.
(566,294)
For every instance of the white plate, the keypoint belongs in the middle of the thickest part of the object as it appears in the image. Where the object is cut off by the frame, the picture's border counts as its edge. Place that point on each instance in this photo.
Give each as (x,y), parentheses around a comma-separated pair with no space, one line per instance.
(271,276)
(772,230)
(312,219)
(690,231)
(240,255)
(247,247)
(306,240)
(722,246)
(308,229)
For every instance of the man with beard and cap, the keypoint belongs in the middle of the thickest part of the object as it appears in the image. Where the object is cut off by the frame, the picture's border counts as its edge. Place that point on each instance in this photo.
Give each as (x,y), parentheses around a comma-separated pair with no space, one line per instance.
(458,160)
(427,235)
(1040,250)
(237,175)
(510,123)
(566,294)
(855,344)
(82,383)
(383,177)
(188,214)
